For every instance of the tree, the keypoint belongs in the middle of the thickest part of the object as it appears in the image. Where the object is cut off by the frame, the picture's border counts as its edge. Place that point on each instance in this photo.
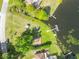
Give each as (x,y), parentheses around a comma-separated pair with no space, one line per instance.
(23,43)
(37,13)
(5,56)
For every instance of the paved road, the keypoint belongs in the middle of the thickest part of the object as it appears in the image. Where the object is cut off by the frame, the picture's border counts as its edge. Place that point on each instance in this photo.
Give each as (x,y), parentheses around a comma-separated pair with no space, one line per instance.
(2,25)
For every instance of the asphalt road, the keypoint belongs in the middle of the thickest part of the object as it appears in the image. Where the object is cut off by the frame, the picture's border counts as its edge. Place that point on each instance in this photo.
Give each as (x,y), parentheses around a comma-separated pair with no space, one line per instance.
(2,25)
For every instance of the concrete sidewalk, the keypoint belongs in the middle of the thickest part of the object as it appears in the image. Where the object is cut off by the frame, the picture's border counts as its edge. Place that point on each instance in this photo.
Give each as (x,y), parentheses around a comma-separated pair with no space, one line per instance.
(2,25)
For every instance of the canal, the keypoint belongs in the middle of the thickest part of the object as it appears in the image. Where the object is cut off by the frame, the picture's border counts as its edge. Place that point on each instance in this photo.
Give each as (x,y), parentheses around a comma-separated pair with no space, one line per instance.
(67,18)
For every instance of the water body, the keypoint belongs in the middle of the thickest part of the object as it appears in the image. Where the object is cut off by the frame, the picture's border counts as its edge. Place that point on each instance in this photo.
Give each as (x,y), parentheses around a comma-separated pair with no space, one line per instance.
(67,18)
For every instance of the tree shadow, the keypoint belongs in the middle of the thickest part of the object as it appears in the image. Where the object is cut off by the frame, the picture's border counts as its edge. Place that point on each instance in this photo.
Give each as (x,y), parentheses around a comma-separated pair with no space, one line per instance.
(47,9)
(36,33)
(67,15)
(10,50)
(42,46)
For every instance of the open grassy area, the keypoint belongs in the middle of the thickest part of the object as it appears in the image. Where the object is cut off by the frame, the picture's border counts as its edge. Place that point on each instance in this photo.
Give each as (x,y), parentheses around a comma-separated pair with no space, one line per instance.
(16,23)
(0,4)
(51,5)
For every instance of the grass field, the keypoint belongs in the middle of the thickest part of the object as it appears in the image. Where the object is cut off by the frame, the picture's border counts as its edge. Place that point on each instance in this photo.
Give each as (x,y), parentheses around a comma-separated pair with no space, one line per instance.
(16,23)
(51,4)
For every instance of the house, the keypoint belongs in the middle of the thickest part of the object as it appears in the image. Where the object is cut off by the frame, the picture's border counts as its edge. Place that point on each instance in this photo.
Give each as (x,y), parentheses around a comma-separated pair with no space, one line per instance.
(28,1)
(36,3)
(40,54)
(44,54)
(32,1)
(52,57)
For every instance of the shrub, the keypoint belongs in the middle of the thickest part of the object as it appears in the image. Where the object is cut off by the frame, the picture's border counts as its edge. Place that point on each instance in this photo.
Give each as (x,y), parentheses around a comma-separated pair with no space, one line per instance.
(23,44)
(5,56)
(41,14)
(29,9)
(37,13)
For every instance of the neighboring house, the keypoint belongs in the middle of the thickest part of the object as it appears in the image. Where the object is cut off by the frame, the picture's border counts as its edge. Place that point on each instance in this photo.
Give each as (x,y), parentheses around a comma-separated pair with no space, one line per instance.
(32,1)
(36,3)
(44,55)
(52,57)
(28,1)
(39,56)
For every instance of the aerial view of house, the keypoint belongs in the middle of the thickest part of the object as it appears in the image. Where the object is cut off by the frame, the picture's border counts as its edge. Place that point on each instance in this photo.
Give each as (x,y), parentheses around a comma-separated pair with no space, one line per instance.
(39,29)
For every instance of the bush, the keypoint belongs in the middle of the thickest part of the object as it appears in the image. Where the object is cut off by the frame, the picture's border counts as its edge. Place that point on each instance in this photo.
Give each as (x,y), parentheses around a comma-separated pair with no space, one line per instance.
(23,43)
(5,56)
(37,13)
(29,9)
(43,46)
(41,14)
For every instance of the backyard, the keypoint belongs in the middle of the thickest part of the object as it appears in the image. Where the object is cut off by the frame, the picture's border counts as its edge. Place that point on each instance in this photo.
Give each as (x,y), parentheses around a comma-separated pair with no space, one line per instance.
(15,26)
(41,21)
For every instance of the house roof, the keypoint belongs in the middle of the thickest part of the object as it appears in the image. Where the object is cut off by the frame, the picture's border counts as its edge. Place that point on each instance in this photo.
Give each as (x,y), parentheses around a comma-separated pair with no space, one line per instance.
(52,57)
(39,56)
(32,1)
(28,1)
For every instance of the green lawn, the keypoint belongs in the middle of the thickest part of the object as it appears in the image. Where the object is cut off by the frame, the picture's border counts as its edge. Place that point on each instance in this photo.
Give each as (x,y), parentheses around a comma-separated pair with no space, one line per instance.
(52,4)
(16,23)
(0,4)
